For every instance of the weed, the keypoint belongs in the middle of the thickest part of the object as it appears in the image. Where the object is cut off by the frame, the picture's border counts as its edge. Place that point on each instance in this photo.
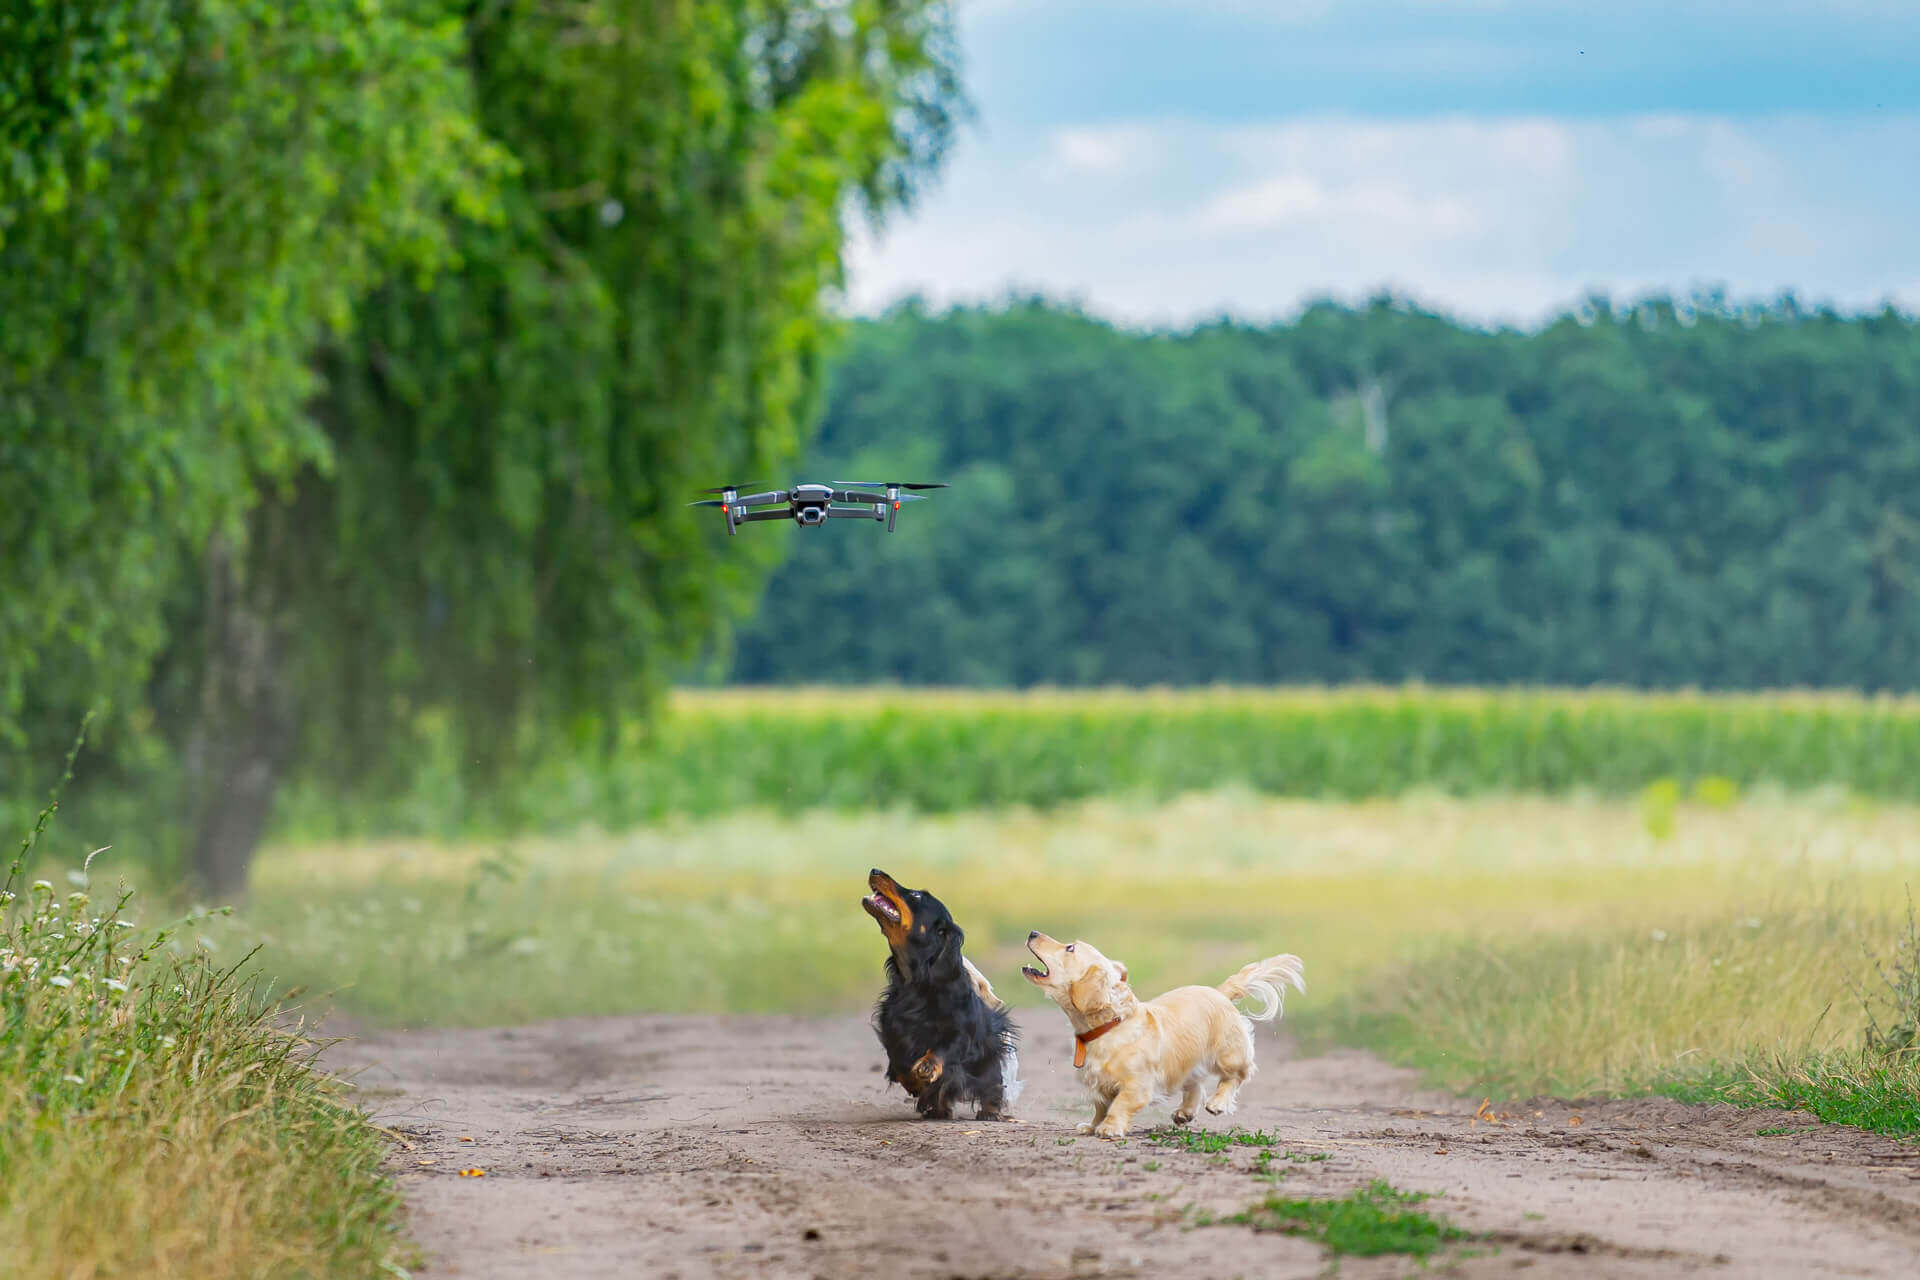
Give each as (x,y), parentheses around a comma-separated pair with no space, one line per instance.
(1898,1036)
(154,1120)
(1370,1222)
(1210,1141)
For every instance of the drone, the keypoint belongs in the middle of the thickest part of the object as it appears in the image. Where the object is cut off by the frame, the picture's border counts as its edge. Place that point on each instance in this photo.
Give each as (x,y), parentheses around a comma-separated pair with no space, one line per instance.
(809,505)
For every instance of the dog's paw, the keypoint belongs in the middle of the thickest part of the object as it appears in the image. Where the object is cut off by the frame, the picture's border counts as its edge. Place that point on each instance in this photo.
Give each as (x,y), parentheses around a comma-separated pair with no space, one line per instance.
(1108,1129)
(1183,1117)
(1085,1127)
(990,1113)
(925,1071)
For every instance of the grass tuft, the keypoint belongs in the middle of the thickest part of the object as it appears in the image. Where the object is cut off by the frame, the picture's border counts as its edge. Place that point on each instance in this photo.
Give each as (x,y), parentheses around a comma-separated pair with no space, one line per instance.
(156,1120)
(1372,1221)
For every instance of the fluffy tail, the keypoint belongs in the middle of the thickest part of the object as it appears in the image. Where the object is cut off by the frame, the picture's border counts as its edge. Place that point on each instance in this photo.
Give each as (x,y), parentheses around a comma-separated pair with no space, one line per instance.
(1260,979)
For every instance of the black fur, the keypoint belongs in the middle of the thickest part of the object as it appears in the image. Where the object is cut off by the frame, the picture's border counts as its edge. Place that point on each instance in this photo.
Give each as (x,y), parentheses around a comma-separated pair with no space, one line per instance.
(930,1006)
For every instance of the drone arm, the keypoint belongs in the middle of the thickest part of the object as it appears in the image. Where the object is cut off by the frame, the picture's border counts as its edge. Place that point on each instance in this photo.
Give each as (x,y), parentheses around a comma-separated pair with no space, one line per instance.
(849,513)
(746,517)
(760,499)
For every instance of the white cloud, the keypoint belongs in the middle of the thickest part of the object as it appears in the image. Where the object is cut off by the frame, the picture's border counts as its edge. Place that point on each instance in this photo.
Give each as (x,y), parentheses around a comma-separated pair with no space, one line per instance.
(1494,219)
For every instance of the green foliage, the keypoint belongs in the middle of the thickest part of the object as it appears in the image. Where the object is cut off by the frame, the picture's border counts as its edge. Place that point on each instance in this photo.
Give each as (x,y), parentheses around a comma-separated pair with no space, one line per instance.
(506,534)
(1370,1222)
(941,752)
(194,193)
(1670,494)
(357,359)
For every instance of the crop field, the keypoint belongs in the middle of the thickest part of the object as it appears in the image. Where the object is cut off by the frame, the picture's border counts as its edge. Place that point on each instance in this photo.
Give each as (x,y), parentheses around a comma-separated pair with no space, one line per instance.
(720,752)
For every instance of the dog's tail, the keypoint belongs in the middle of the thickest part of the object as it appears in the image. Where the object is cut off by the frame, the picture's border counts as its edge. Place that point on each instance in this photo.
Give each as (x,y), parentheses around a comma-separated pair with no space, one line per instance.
(1265,979)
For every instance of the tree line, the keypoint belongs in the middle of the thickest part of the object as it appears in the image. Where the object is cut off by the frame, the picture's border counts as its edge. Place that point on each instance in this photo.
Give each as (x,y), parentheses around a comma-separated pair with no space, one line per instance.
(1673,492)
(356,361)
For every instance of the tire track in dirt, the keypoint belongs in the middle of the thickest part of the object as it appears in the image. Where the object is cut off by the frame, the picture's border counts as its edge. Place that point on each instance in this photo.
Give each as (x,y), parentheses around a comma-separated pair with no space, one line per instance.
(702,1146)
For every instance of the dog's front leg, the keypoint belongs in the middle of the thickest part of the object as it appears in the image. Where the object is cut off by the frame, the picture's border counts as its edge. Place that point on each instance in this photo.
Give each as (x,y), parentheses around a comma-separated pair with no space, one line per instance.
(1121,1111)
(1100,1104)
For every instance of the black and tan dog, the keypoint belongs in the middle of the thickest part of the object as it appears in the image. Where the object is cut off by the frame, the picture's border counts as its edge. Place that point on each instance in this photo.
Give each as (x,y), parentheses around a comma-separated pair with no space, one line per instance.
(947,1036)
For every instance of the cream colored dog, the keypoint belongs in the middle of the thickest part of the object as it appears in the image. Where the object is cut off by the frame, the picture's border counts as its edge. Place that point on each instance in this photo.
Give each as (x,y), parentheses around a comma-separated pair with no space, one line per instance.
(1131,1054)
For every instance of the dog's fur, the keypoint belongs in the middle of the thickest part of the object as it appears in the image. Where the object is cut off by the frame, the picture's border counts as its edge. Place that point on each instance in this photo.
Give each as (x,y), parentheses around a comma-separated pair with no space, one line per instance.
(947,1035)
(1169,1047)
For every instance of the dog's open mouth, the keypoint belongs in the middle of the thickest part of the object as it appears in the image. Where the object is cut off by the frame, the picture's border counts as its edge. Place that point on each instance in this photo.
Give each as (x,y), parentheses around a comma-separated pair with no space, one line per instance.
(1035,973)
(888,906)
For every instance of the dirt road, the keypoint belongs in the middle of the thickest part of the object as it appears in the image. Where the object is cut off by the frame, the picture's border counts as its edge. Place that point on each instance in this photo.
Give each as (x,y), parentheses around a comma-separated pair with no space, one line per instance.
(694,1147)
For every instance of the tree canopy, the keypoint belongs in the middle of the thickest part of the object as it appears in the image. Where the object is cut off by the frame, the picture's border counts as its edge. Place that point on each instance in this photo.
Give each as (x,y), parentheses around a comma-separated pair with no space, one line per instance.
(359,357)
(1670,493)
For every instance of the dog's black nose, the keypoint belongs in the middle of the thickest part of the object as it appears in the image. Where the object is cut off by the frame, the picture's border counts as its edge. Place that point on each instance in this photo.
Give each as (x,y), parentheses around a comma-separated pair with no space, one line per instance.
(876,872)
(1032,934)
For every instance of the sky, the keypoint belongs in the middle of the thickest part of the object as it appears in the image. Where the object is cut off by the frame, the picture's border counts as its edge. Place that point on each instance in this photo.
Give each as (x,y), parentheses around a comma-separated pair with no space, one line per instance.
(1167,163)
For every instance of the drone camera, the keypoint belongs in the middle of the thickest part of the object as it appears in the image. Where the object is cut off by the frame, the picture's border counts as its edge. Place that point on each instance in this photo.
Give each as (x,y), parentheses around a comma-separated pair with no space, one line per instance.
(811,515)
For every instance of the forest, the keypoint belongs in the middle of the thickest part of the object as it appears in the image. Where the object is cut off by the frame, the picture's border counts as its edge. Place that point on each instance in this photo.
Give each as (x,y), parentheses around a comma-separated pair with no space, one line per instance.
(1666,493)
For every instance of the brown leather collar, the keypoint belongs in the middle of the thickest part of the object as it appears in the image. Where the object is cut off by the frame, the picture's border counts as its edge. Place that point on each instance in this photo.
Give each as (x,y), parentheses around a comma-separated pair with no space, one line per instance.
(1082,1038)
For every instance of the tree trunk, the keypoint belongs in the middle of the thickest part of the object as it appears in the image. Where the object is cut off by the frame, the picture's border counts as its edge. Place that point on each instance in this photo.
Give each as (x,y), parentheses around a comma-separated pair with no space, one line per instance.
(243,734)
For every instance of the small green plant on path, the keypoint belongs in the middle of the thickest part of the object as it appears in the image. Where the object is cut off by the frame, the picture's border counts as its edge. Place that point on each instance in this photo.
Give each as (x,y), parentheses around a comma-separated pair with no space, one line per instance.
(1375,1220)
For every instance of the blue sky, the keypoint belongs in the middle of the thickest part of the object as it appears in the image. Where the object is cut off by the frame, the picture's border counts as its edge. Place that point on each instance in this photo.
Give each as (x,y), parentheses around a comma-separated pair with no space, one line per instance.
(1165,162)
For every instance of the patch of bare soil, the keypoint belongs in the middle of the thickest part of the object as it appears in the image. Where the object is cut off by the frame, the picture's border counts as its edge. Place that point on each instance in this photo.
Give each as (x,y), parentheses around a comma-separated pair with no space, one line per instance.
(696,1146)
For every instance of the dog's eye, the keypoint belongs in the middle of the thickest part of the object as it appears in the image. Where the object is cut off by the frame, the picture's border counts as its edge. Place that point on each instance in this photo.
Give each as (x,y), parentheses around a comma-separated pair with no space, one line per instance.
(1069,946)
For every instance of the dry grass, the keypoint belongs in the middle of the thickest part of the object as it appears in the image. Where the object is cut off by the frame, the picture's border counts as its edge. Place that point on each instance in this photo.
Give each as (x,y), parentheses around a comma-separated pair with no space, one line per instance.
(752,913)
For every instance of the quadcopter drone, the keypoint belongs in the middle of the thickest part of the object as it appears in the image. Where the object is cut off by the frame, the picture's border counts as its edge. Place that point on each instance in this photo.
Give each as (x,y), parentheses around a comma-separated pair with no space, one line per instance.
(814,504)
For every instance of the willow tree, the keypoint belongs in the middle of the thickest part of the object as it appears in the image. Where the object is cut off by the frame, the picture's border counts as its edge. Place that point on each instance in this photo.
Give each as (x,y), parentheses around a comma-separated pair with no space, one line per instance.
(500,541)
(192,193)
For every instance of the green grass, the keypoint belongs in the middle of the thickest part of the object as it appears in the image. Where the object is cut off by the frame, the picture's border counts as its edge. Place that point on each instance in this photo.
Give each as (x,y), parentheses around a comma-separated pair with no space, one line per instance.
(1763,1010)
(157,1119)
(1209,1141)
(1375,1220)
(935,751)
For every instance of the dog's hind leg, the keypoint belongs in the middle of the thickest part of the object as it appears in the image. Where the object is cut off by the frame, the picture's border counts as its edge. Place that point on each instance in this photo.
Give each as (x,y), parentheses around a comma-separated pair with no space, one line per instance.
(1235,1065)
(1190,1096)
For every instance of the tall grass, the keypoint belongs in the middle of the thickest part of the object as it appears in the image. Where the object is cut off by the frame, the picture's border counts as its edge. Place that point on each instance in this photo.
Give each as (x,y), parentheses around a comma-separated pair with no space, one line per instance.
(155,1120)
(1760,1009)
(943,751)
(758,912)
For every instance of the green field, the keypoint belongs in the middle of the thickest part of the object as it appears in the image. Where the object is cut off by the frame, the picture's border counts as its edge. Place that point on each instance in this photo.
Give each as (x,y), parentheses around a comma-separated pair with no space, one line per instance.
(717,753)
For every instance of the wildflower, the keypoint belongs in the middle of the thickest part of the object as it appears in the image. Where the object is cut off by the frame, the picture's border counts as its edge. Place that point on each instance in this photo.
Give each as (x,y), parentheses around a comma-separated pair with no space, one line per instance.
(60,980)
(44,884)
(114,984)
(72,1079)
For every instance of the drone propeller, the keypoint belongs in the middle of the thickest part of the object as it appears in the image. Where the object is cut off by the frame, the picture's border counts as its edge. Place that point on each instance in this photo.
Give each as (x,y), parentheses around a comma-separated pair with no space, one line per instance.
(886,484)
(735,487)
(708,502)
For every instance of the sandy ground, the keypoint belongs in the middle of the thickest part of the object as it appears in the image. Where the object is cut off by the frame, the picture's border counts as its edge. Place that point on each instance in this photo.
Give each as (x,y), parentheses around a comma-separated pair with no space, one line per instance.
(694,1147)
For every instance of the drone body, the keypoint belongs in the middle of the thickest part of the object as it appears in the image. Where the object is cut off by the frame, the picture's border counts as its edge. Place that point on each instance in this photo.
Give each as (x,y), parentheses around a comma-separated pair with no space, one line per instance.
(809,505)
